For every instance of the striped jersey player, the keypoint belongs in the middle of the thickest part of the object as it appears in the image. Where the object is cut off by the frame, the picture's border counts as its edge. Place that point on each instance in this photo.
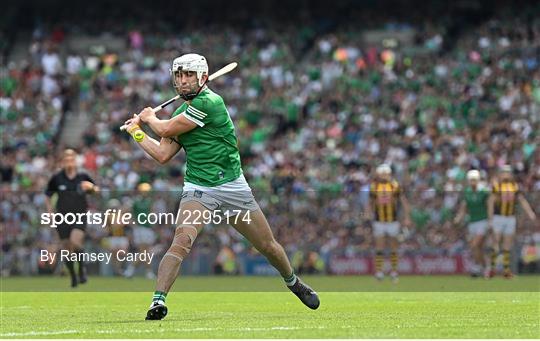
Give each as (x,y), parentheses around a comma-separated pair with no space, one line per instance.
(506,194)
(385,197)
(214,185)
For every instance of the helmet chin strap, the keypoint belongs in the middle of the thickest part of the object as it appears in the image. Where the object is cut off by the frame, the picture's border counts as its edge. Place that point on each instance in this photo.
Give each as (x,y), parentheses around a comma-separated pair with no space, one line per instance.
(192,95)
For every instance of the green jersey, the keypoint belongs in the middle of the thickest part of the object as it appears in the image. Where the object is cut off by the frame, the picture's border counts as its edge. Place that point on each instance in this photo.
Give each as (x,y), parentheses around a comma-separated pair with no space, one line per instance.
(477,202)
(211,148)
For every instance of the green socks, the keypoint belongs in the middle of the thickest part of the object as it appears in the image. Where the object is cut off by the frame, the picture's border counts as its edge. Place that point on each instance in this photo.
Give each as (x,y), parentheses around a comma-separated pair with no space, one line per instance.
(159,296)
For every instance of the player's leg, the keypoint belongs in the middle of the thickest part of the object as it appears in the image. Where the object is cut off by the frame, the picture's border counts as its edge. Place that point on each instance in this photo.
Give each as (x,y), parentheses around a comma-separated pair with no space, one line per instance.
(76,238)
(481,249)
(394,259)
(476,249)
(507,244)
(258,233)
(379,236)
(189,224)
(487,257)
(494,252)
(188,227)
(496,238)
(393,233)
(64,232)
(476,238)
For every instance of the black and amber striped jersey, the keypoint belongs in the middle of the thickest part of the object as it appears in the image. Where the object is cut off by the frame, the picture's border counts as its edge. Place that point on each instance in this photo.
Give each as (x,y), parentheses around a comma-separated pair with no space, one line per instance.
(505,193)
(385,199)
(117,230)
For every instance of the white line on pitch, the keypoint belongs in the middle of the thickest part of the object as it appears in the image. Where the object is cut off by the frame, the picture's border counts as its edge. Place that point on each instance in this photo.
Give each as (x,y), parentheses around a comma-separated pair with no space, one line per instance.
(142,331)
(58,332)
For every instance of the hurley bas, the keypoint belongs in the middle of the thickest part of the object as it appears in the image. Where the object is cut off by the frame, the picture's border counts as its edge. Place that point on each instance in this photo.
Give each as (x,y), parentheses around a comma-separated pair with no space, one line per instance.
(120,255)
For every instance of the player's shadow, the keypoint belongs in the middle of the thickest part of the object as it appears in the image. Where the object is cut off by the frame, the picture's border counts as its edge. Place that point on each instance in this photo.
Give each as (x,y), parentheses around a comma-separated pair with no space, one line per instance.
(111,322)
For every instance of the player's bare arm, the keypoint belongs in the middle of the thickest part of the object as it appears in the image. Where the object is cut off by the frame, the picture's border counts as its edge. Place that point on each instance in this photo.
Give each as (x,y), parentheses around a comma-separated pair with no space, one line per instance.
(406,209)
(461,212)
(161,151)
(166,128)
(89,187)
(526,206)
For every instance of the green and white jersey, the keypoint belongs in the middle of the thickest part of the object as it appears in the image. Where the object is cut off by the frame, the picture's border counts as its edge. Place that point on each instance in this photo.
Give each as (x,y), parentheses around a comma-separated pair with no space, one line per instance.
(212,152)
(476,201)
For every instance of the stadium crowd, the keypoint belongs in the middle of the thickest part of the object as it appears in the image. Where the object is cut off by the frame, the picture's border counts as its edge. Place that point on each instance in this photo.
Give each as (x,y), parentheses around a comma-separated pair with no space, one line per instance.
(315,114)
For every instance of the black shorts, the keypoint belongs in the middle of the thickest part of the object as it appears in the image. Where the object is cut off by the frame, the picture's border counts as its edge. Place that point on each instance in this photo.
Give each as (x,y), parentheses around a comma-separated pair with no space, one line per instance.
(64,231)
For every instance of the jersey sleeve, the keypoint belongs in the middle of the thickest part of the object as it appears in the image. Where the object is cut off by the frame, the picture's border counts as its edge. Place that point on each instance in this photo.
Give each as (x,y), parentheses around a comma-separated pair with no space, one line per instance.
(177,112)
(197,111)
(52,187)
(86,177)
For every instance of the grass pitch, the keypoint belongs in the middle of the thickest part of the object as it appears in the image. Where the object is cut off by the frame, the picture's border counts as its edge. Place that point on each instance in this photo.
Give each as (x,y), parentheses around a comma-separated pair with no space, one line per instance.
(491,311)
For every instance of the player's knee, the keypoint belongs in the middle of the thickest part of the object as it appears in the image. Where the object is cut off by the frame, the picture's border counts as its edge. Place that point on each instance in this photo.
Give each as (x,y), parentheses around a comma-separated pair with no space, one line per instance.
(184,237)
(477,241)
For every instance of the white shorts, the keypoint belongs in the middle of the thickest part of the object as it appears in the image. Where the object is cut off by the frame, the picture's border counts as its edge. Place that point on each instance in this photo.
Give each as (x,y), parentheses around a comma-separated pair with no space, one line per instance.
(505,225)
(478,228)
(228,199)
(143,235)
(390,229)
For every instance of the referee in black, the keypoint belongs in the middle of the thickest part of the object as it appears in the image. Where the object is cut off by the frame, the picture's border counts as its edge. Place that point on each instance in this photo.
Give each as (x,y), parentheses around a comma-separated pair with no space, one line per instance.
(71,187)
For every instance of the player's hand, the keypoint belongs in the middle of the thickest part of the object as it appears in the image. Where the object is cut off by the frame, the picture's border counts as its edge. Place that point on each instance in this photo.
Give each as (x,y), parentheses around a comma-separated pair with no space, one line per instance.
(135,120)
(87,186)
(146,114)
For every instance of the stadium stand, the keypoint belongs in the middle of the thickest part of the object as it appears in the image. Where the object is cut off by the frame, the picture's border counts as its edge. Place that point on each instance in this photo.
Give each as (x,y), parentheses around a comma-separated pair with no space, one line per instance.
(318,102)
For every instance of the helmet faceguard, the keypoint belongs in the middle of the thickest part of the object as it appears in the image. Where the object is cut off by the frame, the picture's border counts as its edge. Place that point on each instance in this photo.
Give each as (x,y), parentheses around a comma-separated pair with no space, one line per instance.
(506,172)
(189,62)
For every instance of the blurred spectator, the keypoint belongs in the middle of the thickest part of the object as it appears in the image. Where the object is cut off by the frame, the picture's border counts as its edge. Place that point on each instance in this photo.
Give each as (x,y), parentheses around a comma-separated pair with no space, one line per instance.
(316,106)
